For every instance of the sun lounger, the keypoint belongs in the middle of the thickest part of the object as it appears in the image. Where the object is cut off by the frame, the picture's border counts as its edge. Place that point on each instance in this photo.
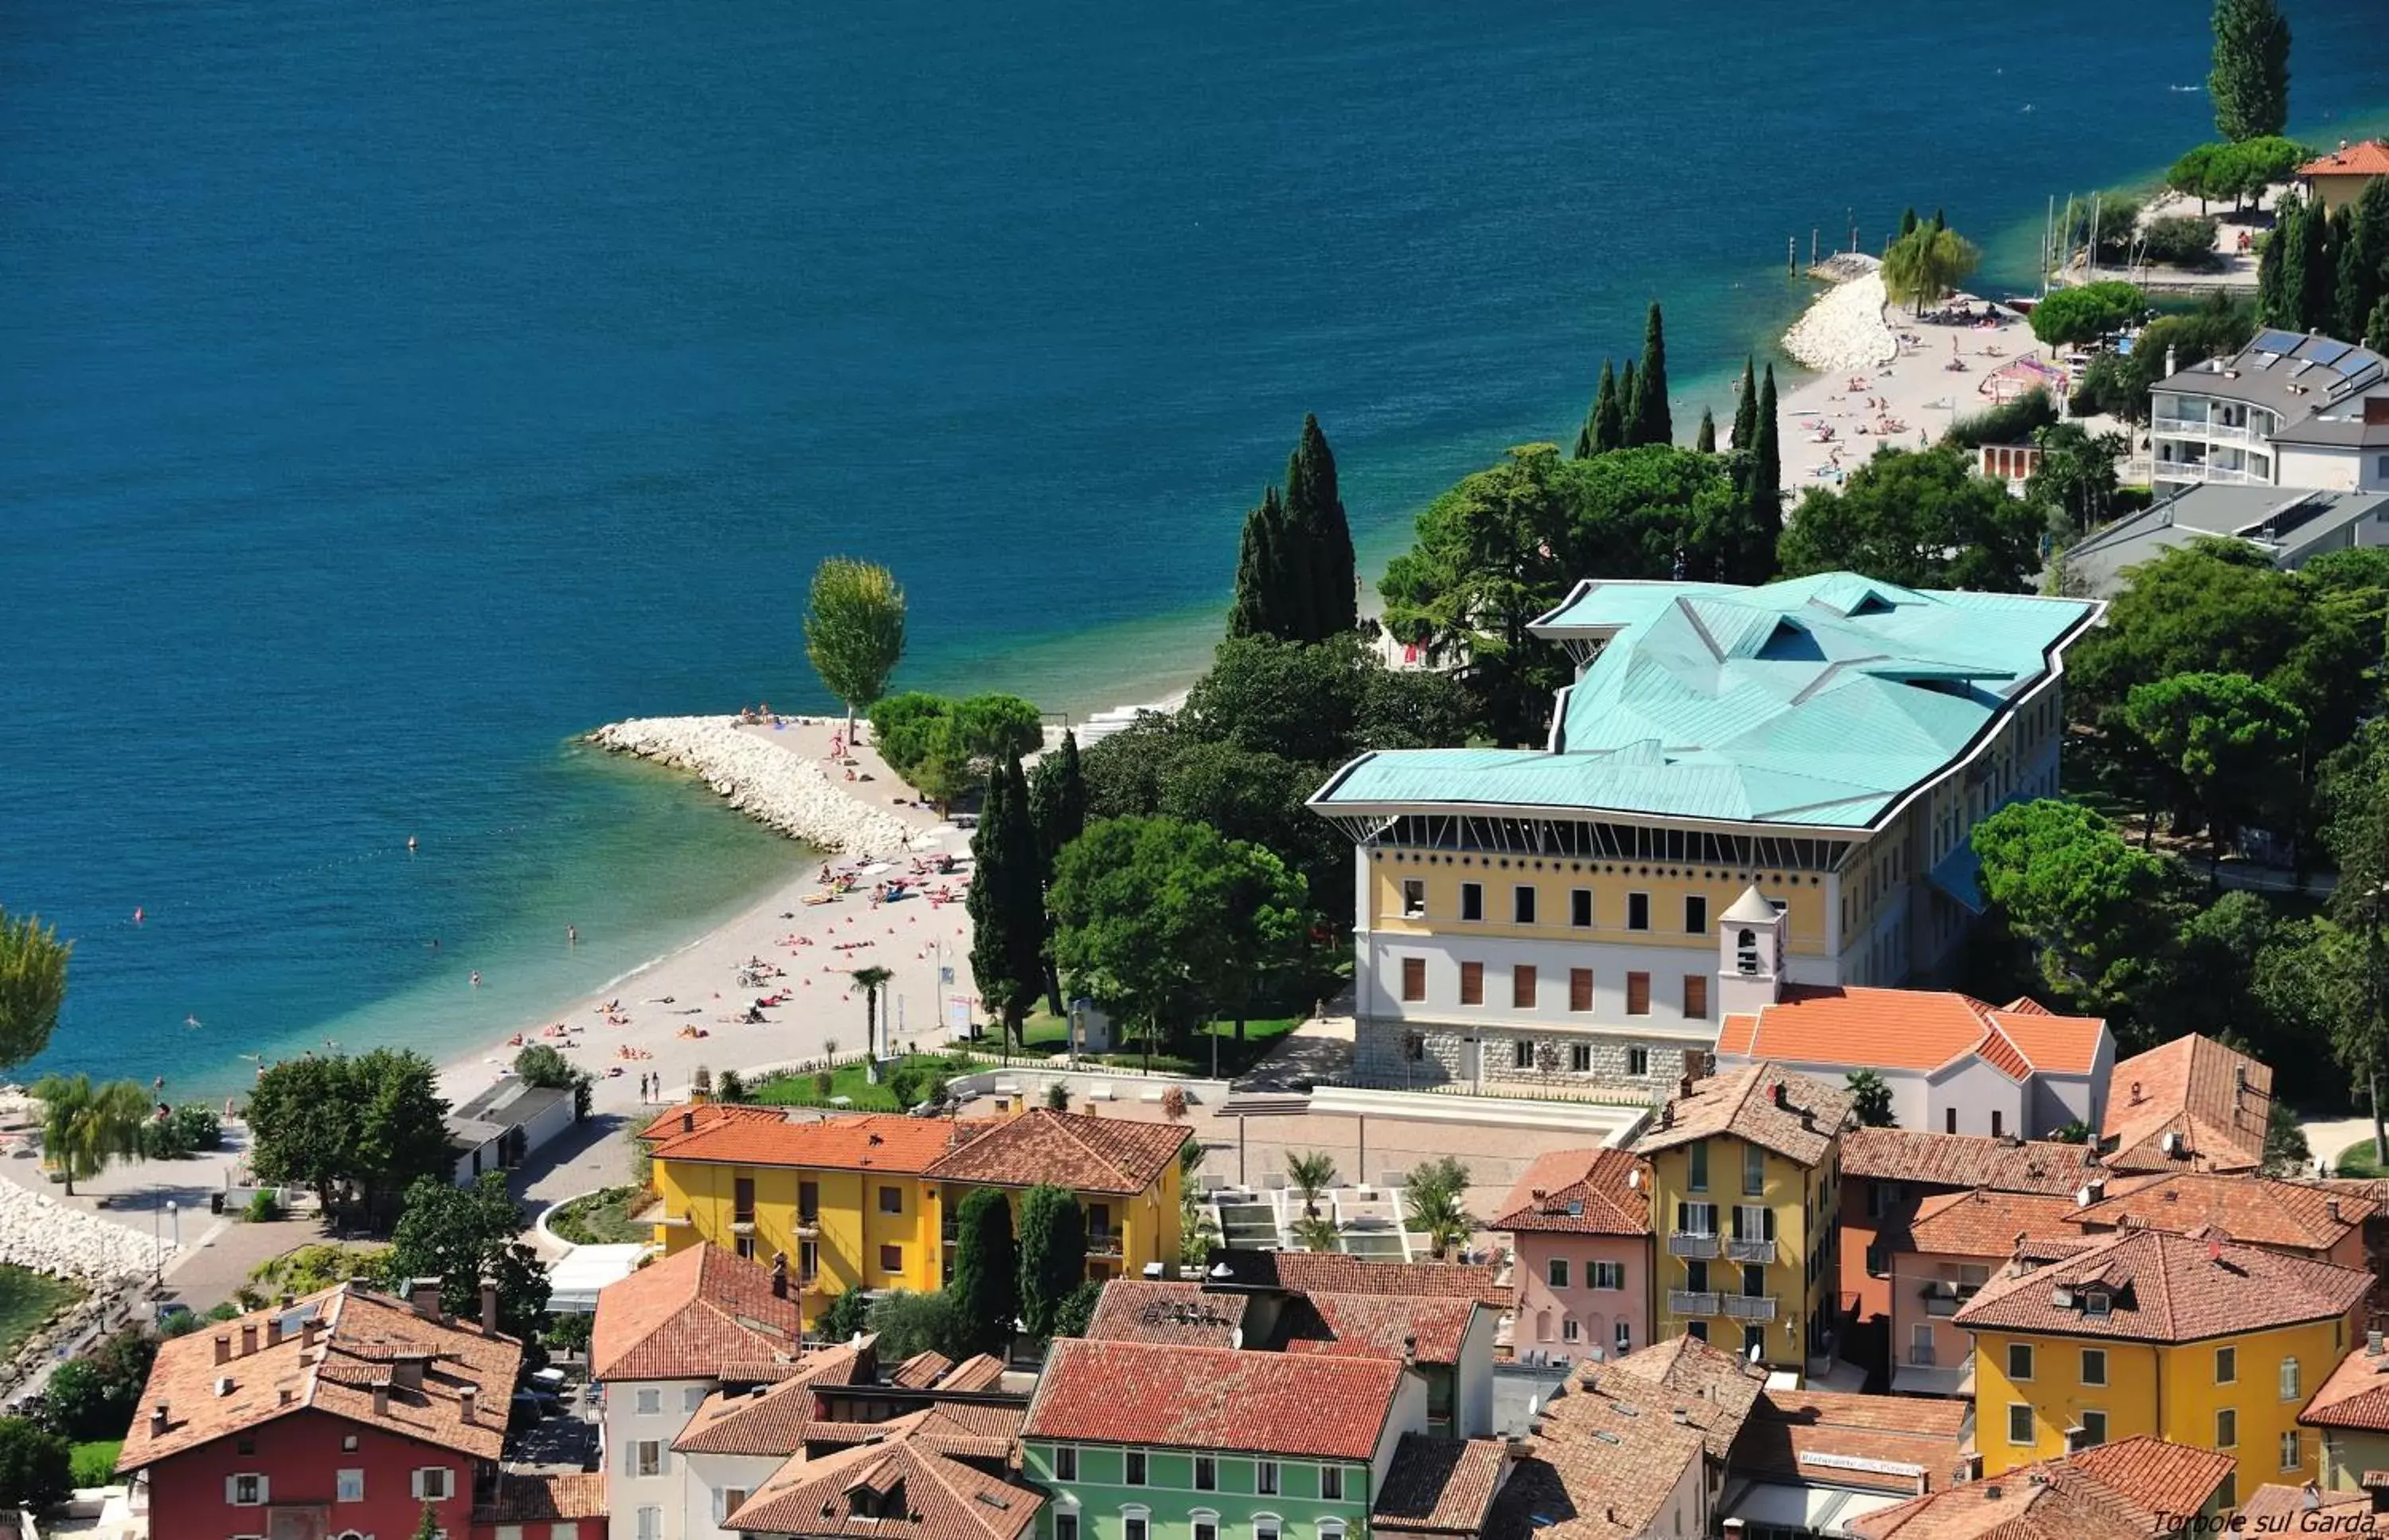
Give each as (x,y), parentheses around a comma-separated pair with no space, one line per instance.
(1100,1092)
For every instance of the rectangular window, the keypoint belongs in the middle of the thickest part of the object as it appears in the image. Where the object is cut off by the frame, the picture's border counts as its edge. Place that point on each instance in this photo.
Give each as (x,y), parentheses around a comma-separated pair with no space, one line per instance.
(1697,1165)
(1266,1529)
(1949,1120)
(1609,1275)
(1522,987)
(649,1400)
(1522,1054)
(564,1532)
(2094,1366)
(1696,1218)
(1638,911)
(1754,1169)
(1555,1272)
(692,1398)
(651,1523)
(1206,1474)
(742,1200)
(434,1483)
(1206,1526)
(1579,988)
(1580,1058)
(2289,1378)
(1471,900)
(1753,1222)
(1065,1462)
(1265,1477)
(1331,1483)
(1696,997)
(2290,1452)
(1413,899)
(1472,984)
(2094,1428)
(891,1200)
(2227,1429)
(1135,1526)
(1696,915)
(1638,994)
(2019,1360)
(1996,1129)
(2227,1366)
(1637,1062)
(1522,905)
(349,1487)
(1132,1467)
(1624,1336)
(808,1261)
(648,1458)
(891,1259)
(245,1491)
(2019,1422)
(1414,978)
(733,1499)
(1569,1330)
(808,1203)
(1580,908)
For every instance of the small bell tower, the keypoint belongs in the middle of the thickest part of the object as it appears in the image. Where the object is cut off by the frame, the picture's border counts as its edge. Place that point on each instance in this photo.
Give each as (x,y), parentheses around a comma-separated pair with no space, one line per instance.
(1750,954)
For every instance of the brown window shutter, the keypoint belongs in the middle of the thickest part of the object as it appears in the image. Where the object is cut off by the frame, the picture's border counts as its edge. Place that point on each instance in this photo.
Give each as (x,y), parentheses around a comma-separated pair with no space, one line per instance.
(1696,997)
(1472,984)
(1638,994)
(1579,988)
(1522,987)
(1414,978)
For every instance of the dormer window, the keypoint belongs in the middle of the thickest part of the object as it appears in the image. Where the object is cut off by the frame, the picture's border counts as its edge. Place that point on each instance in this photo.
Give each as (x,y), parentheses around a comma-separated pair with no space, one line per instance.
(2098,1303)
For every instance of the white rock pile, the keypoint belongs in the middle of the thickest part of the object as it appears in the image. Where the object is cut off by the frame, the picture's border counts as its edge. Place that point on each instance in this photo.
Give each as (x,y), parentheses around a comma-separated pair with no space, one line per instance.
(766,783)
(1845,329)
(39,1232)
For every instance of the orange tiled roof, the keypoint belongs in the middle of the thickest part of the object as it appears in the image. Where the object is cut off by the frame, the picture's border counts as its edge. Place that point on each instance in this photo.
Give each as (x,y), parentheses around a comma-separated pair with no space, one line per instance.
(1438,1486)
(1085,1155)
(2133,1489)
(1298,1406)
(2214,1098)
(1912,1029)
(1743,1102)
(769,1420)
(368,1344)
(1983,1223)
(2357,1395)
(867,1142)
(2167,1288)
(1603,1465)
(2277,1509)
(2261,1211)
(688,1315)
(1336,1272)
(1141,1310)
(1717,1389)
(1926,1159)
(962,1428)
(528,1498)
(2366,157)
(1789,1431)
(1429,1328)
(691,1115)
(900,1485)
(1580,1193)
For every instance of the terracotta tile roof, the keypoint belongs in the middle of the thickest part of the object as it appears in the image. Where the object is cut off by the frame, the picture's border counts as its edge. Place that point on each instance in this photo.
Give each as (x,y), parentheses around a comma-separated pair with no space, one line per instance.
(1716,1389)
(1921,1030)
(1742,1103)
(2216,1097)
(1580,1193)
(1925,1159)
(704,1114)
(1085,1155)
(2167,1288)
(1294,1405)
(979,1372)
(2365,158)
(532,1498)
(921,1370)
(1983,1223)
(2133,1489)
(1601,1466)
(870,1141)
(1733,1036)
(688,1315)
(1438,1486)
(1430,1328)
(899,1485)
(1137,1310)
(963,1428)
(1336,1272)
(771,1420)
(2357,1395)
(366,1342)
(2258,1210)
(2277,1509)
(1843,1440)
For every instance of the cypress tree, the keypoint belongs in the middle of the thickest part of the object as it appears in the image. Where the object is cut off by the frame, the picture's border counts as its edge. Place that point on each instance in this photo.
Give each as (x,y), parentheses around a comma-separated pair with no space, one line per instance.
(1940,222)
(986,1289)
(1052,1254)
(2275,306)
(1272,582)
(1006,902)
(1629,404)
(1654,423)
(1745,406)
(1704,437)
(1057,805)
(1908,223)
(2250,83)
(2376,331)
(1314,509)
(2364,262)
(1767,468)
(2314,283)
(1606,426)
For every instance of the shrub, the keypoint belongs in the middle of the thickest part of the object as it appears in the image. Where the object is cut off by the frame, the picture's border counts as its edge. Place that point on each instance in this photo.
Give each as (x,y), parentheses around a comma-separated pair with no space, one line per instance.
(262,1207)
(822,1083)
(37,1468)
(94,1462)
(730,1086)
(2009,423)
(1058,1096)
(569,1333)
(2180,240)
(95,1396)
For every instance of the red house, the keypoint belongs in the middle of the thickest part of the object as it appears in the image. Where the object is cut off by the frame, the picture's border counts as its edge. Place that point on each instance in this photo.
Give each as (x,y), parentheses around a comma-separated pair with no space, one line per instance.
(339,1414)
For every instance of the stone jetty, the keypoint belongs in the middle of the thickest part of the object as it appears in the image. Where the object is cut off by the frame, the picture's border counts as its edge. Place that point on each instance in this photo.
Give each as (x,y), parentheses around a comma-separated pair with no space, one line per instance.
(769,784)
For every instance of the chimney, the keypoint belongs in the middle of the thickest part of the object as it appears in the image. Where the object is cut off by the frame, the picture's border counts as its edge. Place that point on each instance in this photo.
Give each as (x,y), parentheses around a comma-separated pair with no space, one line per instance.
(488,1308)
(2373,1344)
(158,1420)
(1684,1087)
(381,1398)
(2215,1251)
(688,1123)
(468,1401)
(247,1338)
(273,1327)
(423,1294)
(2089,1192)
(308,1330)
(1410,1348)
(1682,1417)
(2169,363)
(779,1275)
(1782,1097)
(2136,1097)
(2330,1206)
(223,1347)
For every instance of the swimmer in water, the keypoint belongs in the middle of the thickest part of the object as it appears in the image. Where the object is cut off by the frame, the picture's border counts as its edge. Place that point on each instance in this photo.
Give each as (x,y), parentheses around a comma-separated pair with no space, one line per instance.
(476,978)
(573,936)
(410,845)
(190,1021)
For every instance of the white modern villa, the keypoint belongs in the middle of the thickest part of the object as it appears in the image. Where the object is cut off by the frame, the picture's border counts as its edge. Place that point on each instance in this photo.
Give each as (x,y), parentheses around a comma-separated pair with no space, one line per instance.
(2288,409)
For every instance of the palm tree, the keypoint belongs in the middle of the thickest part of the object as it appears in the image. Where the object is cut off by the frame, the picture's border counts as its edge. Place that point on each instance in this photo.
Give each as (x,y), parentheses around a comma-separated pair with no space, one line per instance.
(84,1126)
(1314,1233)
(1926,264)
(1436,1213)
(32,986)
(871,981)
(1313,1172)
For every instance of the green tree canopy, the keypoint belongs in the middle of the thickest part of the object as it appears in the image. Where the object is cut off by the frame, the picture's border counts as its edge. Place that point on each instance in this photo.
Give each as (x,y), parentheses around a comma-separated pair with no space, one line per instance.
(2076,479)
(944,746)
(32,986)
(1605,420)
(2250,83)
(1704,437)
(1927,264)
(1052,1256)
(2087,312)
(2219,743)
(1922,519)
(854,630)
(1006,901)
(1272,582)
(2100,914)
(986,1288)
(1314,511)
(910,1323)
(1654,423)
(848,1312)
(86,1126)
(36,1467)
(461,1236)
(1871,1099)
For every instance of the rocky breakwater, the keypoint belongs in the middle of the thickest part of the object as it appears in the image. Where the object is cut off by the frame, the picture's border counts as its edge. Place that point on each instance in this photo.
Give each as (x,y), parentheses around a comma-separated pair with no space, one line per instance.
(767,782)
(1845,329)
(39,1232)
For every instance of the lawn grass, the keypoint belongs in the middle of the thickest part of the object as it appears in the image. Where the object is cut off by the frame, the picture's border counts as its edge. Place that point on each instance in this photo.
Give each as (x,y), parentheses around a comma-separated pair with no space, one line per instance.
(94,1461)
(2356,1161)
(602,1218)
(1049,1035)
(800,1089)
(27,1299)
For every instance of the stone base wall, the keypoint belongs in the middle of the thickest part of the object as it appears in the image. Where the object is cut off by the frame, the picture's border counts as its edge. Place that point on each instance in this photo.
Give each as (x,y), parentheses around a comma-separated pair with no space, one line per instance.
(1380,1058)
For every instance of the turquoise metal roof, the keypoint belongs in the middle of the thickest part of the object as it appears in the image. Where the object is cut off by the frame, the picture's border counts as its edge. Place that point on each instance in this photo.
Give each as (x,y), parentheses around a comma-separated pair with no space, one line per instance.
(1813,702)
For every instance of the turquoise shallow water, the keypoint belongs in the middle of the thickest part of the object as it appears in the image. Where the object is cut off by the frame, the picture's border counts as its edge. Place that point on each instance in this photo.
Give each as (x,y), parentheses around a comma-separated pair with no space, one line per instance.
(391,392)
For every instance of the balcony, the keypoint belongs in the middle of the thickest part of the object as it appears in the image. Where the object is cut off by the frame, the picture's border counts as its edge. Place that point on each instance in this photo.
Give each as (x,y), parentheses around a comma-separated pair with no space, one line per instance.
(2200,428)
(1685,1302)
(2199,470)
(1739,1250)
(1748,1307)
(1945,1299)
(1924,1355)
(1103,1242)
(1692,1244)
(808,1226)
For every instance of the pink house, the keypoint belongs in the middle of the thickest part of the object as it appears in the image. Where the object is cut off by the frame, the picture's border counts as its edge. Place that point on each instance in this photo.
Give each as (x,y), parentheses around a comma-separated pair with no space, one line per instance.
(1579,1221)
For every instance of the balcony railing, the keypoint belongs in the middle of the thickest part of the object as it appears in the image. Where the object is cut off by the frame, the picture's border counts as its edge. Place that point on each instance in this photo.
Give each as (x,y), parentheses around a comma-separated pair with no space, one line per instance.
(1693,1243)
(1748,1307)
(1941,1304)
(809,1224)
(1103,1242)
(2199,470)
(1686,1302)
(2200,428)
(1924,1355)
(1741,1250)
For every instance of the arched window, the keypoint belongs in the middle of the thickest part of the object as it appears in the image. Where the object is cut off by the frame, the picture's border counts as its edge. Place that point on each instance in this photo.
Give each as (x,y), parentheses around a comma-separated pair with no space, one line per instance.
(1331,1528)
(1268,1526)
(1745,951)
(1205,1523)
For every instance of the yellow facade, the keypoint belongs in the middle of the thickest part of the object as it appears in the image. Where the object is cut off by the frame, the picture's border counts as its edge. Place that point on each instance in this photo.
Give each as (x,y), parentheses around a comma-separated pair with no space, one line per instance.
(1556,880)
(1799,1280)
(844,1230)
(2114,1390)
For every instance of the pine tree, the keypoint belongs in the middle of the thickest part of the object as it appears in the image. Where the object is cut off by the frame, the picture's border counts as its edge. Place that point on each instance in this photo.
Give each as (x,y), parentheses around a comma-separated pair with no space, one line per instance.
(1273,593)
(2250,83)
(1767,466)
(1704,437)
(1745,406)
(986,1289)
(1006,901)
(1629,404)
(1314,509)
(2316,282)
(1605,428)
(1940,221)
(1654,423)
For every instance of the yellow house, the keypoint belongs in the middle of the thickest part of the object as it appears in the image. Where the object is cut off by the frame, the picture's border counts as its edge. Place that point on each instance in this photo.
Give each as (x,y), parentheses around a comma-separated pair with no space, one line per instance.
(2187,1337)
(1746,1178)
(871,1202)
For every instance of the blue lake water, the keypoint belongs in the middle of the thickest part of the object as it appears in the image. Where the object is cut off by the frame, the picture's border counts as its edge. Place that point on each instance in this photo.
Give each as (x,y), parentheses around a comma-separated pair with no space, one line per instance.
(388,392)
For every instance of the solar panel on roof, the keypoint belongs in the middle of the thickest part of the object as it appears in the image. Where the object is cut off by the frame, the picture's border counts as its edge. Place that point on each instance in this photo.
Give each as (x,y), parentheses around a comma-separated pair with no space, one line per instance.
(2270,341)
(2356,364)
(2324,349)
